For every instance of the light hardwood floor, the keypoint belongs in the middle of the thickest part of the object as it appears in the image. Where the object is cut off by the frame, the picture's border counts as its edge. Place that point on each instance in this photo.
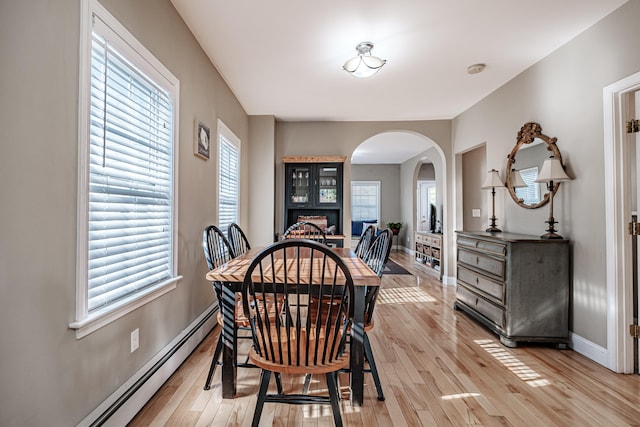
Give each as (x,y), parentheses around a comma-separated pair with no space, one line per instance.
(438,368)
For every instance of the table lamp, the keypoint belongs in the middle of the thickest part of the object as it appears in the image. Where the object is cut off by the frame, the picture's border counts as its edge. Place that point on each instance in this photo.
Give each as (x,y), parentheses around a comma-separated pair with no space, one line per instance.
(491,182)
(552,172)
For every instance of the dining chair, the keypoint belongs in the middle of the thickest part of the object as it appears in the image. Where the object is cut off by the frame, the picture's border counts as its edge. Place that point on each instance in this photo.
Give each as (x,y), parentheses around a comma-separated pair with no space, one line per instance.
(306,230)
(218,251)
(365,240)
(237,239)
(376,258)
(303,338)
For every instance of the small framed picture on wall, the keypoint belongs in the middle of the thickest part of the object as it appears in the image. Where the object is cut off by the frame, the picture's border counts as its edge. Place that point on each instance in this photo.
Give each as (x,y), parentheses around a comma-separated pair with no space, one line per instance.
(202,143)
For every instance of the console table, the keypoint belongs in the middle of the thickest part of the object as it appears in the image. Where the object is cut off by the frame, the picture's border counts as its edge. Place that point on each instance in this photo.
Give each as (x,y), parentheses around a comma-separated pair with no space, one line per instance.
(517,285)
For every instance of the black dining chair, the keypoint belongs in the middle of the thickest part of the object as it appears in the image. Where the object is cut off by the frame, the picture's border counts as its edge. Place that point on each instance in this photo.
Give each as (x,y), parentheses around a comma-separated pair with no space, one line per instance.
(237,239)
(365,240)
(218,251)
(306,230)
(376,258)
(303,339)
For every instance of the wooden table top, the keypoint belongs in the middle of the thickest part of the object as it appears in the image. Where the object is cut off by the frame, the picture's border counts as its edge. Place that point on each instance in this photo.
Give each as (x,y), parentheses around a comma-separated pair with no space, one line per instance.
(235,270)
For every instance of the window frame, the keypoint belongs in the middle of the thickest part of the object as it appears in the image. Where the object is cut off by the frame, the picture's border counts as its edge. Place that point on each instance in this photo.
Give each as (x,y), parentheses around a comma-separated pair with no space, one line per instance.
(226,134)
(376,184)
(85,322)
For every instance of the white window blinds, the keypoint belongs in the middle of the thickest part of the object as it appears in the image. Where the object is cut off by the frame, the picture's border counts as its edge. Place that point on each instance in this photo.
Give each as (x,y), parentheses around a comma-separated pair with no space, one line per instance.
(531,193)
(228,180)
(130,178)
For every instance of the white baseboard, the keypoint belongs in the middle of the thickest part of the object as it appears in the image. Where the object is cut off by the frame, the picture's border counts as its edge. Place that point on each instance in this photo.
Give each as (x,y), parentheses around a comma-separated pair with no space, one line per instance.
(588,349)
(120,408)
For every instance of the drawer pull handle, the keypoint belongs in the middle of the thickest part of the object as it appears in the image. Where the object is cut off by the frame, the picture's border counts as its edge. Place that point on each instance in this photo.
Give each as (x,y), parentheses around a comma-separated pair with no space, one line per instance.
(476,301)
(477,280)
(477,260)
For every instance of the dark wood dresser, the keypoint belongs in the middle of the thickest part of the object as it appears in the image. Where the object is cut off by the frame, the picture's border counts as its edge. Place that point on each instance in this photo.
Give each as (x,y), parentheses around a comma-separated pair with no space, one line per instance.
(517,285)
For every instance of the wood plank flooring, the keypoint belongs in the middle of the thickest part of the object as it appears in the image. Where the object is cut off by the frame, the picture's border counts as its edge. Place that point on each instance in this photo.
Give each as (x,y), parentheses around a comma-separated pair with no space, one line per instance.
(438,368)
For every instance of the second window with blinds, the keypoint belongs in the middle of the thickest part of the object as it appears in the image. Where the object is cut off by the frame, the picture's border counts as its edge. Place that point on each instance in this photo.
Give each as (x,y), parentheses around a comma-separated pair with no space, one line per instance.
(228,176)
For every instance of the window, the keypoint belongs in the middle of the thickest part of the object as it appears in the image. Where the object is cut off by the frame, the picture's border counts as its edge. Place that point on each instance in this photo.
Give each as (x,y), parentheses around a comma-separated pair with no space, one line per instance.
(365,200)
(126,237)
(229,177)
(531,193)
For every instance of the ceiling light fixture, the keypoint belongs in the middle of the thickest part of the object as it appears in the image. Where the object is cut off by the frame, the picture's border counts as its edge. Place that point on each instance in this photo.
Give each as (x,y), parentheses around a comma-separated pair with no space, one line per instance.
(365,64)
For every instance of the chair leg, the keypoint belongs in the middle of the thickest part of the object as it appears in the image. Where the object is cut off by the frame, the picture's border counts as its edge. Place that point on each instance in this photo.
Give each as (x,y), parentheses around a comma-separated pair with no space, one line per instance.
(307,383)
(214,363)
(265,376)
(279,383)
(333,396)
(372,364)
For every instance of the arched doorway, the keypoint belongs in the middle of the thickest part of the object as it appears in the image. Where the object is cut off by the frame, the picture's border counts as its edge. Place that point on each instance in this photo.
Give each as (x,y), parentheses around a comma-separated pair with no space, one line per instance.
(394,159)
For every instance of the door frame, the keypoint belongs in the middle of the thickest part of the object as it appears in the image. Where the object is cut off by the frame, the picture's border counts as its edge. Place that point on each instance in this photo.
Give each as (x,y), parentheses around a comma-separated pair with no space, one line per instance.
(616,108)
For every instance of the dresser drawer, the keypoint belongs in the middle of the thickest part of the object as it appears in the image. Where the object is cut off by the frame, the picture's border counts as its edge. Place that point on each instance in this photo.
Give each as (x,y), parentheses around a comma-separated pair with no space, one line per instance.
(435,242)
(491,311)
(483,245)
(419,238)
(465,241)
(493,266)
(492,289)
(496,248)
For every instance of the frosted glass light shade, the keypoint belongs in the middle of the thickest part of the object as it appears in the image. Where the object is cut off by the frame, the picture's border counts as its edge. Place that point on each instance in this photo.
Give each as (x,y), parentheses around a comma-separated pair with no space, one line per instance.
(365,64)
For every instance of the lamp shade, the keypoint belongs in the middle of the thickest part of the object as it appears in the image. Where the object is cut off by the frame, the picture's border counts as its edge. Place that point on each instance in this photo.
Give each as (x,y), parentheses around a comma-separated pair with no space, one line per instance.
(365,64)
(552,170)
(492,180)
(516,179)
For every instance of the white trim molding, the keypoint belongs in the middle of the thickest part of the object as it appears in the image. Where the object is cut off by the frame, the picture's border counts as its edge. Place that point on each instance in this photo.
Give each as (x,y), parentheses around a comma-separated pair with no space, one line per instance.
(121,406)
(618,242)
(588,349)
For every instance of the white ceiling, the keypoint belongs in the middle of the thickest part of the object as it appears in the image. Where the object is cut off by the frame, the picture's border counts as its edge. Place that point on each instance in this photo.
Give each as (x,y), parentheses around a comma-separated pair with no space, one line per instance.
(284,57)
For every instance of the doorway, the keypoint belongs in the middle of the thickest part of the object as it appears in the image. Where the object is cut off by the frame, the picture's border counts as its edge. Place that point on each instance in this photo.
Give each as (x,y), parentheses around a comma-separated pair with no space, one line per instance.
(427,215)
(621,106)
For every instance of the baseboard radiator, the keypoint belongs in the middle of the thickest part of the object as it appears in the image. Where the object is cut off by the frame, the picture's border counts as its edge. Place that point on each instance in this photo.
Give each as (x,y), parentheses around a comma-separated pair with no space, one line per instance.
(120,408)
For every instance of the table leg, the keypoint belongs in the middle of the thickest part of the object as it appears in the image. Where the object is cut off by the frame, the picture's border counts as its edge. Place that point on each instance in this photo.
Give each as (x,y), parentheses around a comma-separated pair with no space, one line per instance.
(357,347)
(230,343)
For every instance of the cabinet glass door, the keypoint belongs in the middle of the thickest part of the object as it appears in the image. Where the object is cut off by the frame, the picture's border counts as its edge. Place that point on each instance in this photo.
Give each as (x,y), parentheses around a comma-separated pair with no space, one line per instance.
(328,185)
(299,177)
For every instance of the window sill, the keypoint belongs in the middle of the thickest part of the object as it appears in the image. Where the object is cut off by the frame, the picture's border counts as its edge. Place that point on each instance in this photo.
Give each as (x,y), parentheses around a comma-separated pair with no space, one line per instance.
(101,318)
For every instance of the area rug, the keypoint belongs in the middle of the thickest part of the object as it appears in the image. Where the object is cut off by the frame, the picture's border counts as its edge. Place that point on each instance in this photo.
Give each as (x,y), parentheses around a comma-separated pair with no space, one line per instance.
(393,268)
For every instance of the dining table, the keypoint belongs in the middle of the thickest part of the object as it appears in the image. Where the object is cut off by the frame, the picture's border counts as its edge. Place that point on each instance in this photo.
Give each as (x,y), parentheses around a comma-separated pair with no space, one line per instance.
(231,275)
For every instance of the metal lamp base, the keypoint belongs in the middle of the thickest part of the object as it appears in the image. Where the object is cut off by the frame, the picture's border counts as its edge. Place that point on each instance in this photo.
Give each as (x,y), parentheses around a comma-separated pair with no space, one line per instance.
(493,230)
(551,235)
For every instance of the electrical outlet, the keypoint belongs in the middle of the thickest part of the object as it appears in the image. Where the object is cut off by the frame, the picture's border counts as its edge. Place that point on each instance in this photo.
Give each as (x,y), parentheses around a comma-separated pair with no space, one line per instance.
(135,339)
(475,213)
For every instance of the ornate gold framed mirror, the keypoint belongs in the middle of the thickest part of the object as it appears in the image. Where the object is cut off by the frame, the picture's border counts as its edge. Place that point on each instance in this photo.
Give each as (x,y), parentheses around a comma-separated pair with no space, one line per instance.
(532,148)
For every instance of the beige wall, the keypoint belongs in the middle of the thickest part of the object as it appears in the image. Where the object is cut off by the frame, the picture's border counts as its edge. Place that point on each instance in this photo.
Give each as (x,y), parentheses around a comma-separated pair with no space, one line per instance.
(427,172)
(389,177)
(48,376)
(564,93)
(260,180)
(474,172)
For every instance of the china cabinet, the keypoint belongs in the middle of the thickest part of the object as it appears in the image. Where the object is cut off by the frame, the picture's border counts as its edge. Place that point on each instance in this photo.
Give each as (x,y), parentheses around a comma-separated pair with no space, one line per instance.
(314,187)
